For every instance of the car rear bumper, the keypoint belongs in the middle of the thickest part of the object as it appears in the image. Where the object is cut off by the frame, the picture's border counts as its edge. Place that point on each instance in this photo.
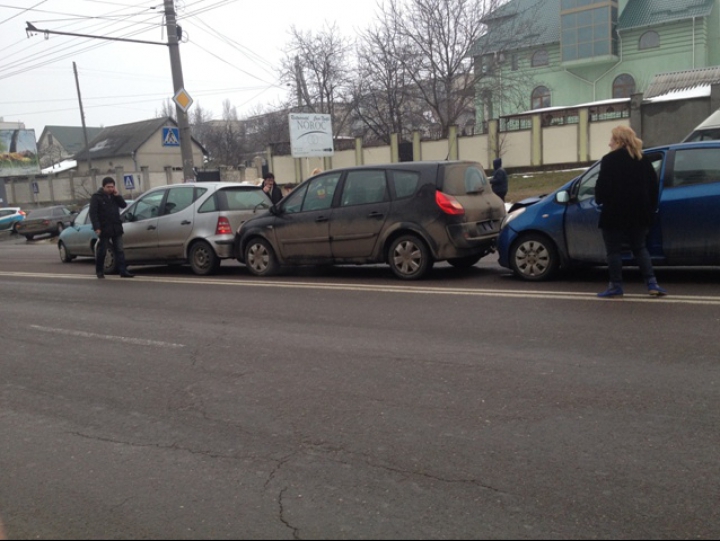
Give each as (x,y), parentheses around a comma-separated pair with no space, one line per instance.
(474,234)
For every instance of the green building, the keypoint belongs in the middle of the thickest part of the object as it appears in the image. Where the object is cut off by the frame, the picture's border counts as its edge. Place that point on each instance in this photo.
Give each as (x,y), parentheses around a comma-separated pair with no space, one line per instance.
(556,53)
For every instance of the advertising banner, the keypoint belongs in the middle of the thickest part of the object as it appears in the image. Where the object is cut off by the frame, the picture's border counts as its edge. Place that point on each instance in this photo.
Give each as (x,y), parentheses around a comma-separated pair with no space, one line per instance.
(311,135)
(18,153)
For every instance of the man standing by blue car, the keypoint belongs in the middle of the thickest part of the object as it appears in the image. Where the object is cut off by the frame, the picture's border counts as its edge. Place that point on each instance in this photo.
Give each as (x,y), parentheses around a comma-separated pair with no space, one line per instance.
(105,205)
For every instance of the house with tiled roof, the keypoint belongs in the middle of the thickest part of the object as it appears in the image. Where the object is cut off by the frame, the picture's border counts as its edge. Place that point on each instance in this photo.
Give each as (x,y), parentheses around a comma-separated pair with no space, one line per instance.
(557,53)
(151,145)
(59,143)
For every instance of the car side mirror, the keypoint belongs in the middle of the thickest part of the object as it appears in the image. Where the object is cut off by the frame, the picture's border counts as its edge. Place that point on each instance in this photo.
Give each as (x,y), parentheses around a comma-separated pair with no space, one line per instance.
(562,197)
(275,210)
(128,217)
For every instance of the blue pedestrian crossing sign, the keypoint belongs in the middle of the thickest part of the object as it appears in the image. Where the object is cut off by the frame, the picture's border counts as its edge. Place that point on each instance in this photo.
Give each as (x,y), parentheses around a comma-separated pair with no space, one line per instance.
(171,137)
(129,182)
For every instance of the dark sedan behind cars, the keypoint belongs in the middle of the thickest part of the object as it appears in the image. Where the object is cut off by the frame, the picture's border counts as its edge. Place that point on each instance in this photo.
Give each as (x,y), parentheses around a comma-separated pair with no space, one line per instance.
(49,220)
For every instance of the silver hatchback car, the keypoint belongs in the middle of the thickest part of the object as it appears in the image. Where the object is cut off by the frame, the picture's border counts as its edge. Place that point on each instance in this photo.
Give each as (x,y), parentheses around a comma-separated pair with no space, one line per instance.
(188,224)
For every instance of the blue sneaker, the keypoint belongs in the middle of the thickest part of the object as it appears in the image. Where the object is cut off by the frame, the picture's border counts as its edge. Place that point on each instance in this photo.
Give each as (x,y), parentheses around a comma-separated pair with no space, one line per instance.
(613,290)
(656,291)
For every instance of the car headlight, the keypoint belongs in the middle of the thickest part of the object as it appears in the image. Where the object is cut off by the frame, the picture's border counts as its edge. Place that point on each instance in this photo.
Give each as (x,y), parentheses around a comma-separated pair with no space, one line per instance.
(510,217)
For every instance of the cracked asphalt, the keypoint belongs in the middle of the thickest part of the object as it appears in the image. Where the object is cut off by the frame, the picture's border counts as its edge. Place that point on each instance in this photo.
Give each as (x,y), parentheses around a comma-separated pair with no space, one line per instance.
(343,404)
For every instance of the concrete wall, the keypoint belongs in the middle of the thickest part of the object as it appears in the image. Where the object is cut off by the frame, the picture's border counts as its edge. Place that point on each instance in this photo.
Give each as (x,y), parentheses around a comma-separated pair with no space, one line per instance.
(539,146)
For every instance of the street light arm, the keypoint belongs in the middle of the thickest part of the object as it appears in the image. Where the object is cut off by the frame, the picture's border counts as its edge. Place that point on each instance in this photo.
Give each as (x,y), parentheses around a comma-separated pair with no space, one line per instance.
(31,29)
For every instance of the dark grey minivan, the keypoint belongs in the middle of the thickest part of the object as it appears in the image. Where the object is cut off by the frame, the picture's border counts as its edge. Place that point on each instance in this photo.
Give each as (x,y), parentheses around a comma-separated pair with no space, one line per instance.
(407,215)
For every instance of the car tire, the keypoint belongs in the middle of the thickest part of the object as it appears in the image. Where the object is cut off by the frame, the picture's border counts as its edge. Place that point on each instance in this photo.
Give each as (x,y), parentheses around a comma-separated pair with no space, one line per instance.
(203,259)
(65,256)
(465,262)
(409,257)
(260,258)
(29,237)
(534,257)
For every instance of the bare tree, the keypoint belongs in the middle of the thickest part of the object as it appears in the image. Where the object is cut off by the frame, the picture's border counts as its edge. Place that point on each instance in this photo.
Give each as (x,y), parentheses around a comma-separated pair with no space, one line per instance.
(200,122)
(384,97)
(225,139)
(168,109)
(316,68)
(439,46)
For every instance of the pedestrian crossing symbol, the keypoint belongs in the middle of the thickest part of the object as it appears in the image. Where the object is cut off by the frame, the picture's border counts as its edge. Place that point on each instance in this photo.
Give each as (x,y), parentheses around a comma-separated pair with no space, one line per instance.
(171,137)
(129,182)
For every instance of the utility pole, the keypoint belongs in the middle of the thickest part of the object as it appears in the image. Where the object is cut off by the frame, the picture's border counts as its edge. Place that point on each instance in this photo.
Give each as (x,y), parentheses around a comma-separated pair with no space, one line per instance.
(82,118)
(176,67)
(179,85)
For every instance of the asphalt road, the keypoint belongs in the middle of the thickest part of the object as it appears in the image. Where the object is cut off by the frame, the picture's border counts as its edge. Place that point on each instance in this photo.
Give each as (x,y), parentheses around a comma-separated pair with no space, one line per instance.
(342,403)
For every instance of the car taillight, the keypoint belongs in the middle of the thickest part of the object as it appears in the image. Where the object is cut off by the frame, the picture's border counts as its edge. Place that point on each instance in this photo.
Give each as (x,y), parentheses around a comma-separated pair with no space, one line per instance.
(223,227)
(46,222)
(448,204)
(22,213)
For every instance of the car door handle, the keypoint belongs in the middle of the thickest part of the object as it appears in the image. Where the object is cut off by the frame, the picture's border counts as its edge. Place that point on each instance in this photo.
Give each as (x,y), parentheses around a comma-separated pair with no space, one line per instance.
(321,219)
(375,215)
(151,227)
(185,222)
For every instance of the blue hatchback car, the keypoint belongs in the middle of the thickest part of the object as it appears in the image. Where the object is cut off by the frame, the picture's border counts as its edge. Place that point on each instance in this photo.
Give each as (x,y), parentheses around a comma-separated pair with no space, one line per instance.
(561,229)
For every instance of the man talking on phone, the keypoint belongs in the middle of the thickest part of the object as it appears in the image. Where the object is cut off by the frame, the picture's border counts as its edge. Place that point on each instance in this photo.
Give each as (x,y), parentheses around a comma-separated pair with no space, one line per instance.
(105,205)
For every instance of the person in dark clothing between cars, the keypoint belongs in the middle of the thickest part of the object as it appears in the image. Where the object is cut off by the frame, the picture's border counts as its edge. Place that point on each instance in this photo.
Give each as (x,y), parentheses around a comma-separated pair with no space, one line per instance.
(499,180)
(273,190)
(627,192)
(105,205)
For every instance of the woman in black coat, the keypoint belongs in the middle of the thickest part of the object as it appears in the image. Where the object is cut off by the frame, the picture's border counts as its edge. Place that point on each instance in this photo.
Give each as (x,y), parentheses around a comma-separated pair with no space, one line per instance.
(627,190)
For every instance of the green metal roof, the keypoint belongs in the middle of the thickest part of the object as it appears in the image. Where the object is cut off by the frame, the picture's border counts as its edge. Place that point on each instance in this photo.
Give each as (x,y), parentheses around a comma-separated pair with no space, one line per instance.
(639,13)
(520,24)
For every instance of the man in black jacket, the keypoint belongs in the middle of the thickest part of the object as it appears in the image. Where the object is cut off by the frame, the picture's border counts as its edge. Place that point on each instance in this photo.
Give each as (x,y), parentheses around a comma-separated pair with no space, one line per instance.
(271,189)
(105,205)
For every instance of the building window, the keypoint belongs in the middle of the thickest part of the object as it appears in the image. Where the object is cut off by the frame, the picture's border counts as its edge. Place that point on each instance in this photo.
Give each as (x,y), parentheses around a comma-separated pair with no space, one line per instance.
(540,58)
(540,98)
(623,86)
(649,40)
(587,29)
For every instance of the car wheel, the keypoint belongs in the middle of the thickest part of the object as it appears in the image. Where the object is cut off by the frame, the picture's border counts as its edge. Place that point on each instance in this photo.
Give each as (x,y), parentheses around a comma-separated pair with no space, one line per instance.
(409,257)
(260,258)
(534,257)
(465,262)
(65,256)
(203,259)
(29,237)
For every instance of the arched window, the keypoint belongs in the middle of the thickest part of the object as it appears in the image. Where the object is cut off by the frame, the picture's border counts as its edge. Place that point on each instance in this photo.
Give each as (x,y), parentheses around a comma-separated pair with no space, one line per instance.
(623,86)
(540,97)
(649,40)
(540,58)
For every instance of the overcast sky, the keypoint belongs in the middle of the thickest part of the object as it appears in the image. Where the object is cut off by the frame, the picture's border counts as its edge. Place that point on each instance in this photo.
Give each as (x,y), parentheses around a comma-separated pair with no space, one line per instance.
(233,51)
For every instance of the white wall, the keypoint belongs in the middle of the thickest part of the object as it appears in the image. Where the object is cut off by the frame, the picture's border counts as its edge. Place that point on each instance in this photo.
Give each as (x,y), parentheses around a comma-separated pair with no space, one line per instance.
(560,145)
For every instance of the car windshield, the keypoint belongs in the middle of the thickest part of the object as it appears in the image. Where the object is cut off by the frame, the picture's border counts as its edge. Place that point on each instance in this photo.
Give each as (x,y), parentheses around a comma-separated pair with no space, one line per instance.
(39,213)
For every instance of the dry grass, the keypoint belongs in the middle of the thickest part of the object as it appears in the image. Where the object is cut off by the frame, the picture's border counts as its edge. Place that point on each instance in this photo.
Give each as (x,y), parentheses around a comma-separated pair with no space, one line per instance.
(530,184)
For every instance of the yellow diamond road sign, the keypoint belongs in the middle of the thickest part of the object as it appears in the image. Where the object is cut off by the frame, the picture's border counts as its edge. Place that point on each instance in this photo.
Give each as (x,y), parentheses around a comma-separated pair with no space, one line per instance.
(183,100)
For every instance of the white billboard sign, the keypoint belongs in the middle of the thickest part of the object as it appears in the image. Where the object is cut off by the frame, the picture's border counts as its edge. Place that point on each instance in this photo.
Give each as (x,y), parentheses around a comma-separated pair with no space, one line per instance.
(311,135)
